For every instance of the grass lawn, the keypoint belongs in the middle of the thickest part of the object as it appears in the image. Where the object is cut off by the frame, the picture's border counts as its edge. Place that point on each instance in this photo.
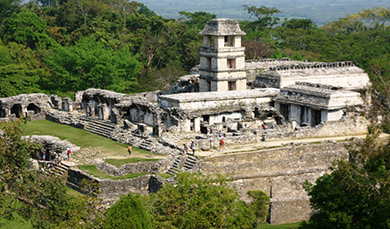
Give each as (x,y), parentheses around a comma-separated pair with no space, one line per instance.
(79,137)
(165,175)
(73,192)
(91,169)
(119,162)
(281,226)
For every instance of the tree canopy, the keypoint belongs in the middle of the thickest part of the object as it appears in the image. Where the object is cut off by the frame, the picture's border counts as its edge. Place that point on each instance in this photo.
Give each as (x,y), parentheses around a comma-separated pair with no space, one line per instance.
(199,201)
(32,197)
(356,194)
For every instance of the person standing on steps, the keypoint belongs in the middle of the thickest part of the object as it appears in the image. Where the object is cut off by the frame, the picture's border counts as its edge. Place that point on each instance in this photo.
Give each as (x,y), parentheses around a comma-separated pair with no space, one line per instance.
(68,154)
(193,148)
(129,150)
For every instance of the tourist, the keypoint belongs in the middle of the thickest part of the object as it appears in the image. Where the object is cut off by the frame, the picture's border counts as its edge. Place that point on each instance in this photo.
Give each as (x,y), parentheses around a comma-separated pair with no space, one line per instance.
(129,150)
(185,149)
(44,157)
(68,154)
(221,144)
(264,126)
(193,148)
(188,147)
(220,134)
(151,152)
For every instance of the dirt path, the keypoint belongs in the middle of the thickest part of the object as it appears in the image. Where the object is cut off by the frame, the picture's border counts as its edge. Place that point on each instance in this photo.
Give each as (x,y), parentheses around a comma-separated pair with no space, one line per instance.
(261,145)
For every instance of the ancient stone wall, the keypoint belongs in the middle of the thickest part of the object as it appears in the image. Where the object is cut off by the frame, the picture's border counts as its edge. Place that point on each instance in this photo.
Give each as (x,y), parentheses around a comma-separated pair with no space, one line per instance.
(33,106)
(278,172)
(111,190)
(339,74)
(160,166)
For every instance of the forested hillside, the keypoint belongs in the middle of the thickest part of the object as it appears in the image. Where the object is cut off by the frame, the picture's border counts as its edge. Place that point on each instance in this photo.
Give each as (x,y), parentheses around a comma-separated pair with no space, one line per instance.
(63,46)
(319,11)
(68,45)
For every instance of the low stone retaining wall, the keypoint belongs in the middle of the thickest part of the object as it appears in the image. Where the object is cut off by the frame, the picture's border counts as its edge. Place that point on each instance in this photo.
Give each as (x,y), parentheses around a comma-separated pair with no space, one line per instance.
(111,190)
(160,166)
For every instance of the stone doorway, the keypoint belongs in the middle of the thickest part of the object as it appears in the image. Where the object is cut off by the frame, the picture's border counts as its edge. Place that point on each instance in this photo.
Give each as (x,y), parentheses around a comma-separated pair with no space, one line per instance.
(17,110)
(33,108)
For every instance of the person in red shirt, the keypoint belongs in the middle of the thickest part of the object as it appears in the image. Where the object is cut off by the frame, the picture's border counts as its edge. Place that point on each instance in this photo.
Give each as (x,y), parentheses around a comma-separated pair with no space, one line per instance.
(68,153)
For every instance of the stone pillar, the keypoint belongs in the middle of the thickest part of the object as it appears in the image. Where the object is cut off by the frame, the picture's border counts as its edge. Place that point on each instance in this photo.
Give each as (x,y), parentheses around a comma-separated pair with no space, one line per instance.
(197,124)
(67,104)
(56,101)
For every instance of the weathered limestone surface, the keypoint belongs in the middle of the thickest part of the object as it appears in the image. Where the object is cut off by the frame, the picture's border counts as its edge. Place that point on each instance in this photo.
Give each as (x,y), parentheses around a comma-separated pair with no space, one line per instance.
(349,125)
(318,96)
(34,106)
(278,172)
(111,190)
(160,166)
(212,100)
(221,27)
(53,144)
(254,67)
(339,74)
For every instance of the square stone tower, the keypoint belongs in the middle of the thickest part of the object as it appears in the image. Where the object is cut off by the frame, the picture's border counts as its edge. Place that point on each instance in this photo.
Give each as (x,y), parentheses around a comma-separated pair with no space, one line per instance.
(222,59)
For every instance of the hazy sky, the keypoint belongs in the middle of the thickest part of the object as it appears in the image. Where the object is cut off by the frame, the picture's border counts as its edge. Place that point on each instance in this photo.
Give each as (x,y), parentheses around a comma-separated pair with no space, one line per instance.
(320,11)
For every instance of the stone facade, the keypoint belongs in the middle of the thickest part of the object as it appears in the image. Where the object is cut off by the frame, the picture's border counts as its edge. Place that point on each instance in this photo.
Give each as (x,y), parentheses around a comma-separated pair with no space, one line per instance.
(111,190)
(222,59)
(279,173)
(337,74)
(33,106)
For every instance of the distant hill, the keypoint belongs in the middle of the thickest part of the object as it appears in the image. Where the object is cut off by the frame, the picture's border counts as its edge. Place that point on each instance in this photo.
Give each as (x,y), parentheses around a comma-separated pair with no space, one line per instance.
(320,11)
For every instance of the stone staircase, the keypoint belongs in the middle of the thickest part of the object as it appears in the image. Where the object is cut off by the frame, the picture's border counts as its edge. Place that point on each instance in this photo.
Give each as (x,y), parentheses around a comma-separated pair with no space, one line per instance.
(102,128)
(59,170)
(188,164)
(175,167)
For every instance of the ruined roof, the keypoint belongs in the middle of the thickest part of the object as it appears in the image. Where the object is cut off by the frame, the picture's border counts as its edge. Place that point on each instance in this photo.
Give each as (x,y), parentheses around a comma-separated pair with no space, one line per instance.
(222,27)
(318,96)
(36,98)
(223,95)
(343,74)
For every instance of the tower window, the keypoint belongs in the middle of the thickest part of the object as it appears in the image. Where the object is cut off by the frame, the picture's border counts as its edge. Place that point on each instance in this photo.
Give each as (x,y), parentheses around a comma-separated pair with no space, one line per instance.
(208,63)
(212,41)
(231,63)
(229,41)
(232,86)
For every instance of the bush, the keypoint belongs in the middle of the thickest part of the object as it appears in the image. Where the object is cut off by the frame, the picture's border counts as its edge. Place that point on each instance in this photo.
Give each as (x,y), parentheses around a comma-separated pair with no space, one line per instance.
(127,212)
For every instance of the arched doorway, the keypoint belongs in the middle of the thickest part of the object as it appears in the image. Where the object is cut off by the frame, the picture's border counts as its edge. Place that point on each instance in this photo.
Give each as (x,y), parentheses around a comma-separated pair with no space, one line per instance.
(17,110)
(34,108)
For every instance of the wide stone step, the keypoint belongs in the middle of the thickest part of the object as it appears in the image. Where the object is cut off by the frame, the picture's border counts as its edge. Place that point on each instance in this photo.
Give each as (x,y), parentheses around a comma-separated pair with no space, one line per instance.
(192,160)
(99,122)
(89,126)
(172,172)
(99,132)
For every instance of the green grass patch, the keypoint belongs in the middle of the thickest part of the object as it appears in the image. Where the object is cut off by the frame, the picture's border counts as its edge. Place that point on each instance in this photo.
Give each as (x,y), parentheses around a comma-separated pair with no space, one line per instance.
(119,162)
(165,175)
(94,171)
(74,193)
(280,226)
(77,136)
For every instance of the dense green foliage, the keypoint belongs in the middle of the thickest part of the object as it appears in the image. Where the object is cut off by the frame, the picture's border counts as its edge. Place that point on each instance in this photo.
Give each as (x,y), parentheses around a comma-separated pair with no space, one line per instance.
(128,212)
(260,204)
(357,193)
(199,201)
(32,197)
(64,46)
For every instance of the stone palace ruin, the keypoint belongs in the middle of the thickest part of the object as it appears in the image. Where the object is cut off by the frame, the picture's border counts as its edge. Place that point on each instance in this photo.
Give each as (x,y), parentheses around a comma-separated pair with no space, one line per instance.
(248,101)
